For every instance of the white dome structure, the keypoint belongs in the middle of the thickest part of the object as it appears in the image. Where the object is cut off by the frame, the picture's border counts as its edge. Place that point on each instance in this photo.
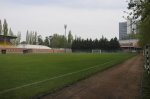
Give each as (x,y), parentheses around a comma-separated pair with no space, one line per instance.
(28,46)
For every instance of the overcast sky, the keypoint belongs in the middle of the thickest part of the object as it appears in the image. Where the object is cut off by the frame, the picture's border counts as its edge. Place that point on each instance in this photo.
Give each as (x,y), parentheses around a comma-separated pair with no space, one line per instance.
(85,18)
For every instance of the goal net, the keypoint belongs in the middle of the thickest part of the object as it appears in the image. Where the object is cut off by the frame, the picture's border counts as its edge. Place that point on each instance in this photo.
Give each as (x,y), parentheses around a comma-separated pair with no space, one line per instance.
(96,51)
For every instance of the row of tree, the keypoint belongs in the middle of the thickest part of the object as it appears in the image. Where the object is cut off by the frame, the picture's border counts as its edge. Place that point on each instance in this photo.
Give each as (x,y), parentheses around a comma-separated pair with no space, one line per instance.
(89,44)
(54,41)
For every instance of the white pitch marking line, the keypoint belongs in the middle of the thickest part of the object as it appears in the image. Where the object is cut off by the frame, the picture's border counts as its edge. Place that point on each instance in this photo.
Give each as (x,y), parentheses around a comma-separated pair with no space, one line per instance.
(19,87)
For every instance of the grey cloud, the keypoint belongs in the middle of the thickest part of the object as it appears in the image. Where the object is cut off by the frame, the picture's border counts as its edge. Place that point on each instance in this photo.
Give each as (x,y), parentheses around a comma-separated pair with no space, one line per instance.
(87,4)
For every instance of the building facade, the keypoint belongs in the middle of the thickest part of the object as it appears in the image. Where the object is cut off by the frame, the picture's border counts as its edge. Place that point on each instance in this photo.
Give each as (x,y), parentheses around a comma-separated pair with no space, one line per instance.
(122,30)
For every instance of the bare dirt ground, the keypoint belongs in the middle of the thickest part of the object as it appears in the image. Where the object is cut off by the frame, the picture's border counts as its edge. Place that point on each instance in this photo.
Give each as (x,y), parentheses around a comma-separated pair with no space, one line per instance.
(120,82)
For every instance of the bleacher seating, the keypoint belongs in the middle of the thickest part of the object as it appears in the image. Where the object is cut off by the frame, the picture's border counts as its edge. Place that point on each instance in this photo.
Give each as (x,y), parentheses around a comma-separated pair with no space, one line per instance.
(6,45)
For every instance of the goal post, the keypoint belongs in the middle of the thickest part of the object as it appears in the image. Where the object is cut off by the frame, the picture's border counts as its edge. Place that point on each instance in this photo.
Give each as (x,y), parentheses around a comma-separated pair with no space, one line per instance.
(96,51)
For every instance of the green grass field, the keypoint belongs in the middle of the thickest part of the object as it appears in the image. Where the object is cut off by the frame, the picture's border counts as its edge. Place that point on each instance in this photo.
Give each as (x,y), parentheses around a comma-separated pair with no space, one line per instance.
(31,75)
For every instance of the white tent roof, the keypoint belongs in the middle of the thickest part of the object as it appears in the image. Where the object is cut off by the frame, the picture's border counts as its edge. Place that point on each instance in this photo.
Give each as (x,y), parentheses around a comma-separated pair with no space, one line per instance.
(27,46)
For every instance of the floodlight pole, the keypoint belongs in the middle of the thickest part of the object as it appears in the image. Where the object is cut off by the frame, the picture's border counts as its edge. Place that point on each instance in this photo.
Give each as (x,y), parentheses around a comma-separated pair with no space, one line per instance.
(50,37)
(65,27)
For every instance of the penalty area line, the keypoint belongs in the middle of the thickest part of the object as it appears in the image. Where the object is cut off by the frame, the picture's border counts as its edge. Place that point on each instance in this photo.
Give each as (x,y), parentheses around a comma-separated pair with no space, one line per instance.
(38,82)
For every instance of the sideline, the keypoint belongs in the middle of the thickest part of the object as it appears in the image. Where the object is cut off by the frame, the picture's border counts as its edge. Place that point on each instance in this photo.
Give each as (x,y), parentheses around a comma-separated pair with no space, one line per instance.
(55,77)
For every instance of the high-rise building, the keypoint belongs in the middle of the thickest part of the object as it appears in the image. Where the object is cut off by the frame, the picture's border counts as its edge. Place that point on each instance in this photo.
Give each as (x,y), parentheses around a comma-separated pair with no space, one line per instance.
(122,30)
(126,28)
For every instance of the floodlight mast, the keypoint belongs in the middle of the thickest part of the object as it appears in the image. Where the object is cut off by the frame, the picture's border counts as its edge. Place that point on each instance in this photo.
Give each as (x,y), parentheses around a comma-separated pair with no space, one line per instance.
(65,27)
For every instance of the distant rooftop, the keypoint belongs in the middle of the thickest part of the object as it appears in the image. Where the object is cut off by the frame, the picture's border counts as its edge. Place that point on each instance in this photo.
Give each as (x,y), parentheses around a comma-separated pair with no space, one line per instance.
(129,43)
(10,37)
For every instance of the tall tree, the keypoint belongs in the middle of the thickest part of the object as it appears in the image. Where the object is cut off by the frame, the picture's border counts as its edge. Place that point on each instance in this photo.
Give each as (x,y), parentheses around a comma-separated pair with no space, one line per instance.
(58,41)
(70,39)
(40,40)
(1,28)
(140,10)
(27,37)
(18,38)
(47,41)
(35,38)
(11,32)
(30,38)
(5,27)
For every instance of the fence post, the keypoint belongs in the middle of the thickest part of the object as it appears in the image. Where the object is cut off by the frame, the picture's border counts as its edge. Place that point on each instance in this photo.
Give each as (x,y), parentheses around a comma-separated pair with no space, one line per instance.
(147,58)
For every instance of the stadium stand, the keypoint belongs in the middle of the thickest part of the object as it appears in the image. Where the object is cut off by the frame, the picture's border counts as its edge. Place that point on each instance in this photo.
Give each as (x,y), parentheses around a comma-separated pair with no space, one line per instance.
(7,47)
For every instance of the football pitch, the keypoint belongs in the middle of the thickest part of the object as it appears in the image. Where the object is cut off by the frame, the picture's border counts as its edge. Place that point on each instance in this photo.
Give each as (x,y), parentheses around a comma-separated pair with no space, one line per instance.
(32,75)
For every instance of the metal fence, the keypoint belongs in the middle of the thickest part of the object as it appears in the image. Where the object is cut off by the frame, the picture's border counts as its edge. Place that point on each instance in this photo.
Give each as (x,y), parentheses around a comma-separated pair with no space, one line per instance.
(147,58)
